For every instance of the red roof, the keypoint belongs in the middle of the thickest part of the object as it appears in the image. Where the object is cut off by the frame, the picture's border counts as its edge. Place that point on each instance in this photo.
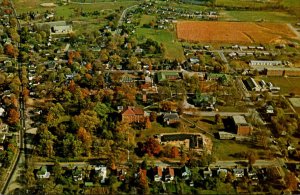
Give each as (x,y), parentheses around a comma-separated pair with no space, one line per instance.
(171,171)
(158,171)
(133,111)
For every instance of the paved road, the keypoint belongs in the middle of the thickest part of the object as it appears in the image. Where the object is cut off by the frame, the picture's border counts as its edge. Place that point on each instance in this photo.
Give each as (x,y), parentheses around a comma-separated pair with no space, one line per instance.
(223,163)
(213,113)
(294,30)
(258,163)
(124,14)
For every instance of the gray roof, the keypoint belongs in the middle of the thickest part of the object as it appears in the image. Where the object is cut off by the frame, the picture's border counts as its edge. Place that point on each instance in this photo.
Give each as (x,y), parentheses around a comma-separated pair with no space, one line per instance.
(239,120)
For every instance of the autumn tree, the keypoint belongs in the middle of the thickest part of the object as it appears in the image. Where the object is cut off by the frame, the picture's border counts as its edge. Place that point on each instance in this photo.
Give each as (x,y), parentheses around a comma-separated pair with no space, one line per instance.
(147,123)
(291,181)
(153,116)
(10,50)
(85,137)
(13,116)
(152,147)
(251,156)
(87,119)
(218,119)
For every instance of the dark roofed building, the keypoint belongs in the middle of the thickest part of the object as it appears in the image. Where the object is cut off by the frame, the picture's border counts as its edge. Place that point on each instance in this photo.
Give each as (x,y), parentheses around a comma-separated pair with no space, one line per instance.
(171,118)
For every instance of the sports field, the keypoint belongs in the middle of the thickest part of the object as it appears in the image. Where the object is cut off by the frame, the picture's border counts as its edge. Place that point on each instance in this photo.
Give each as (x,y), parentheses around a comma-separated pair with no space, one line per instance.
(233,32)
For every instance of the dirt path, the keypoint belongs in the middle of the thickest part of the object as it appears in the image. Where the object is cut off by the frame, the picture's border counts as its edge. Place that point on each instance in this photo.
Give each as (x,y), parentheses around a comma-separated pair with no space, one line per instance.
(294,30)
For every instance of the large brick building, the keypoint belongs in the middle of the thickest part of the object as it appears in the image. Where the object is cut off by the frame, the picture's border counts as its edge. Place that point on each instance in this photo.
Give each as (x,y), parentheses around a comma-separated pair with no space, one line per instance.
(133,114)
(241,126)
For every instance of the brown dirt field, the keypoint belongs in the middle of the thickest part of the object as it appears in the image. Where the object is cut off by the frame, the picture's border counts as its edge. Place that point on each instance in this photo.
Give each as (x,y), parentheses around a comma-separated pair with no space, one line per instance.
(232,32)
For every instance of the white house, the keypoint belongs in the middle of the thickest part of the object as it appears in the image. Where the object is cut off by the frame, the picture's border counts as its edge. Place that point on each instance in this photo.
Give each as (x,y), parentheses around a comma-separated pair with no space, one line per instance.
(102,172)
(43,173)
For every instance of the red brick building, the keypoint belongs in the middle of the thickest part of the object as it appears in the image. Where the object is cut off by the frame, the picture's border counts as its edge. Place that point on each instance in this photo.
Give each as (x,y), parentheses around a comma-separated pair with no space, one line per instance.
(241,125)
(133,114)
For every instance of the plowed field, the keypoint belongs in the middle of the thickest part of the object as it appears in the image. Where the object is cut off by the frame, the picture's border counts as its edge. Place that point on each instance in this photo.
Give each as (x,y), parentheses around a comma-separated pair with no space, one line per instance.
(233,32)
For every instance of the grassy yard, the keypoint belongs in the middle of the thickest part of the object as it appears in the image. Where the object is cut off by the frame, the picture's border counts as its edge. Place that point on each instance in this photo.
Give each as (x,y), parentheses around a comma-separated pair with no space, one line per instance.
(173,48)
(267,16)
(227,149)
(239,3)
(146,19)
(286,84)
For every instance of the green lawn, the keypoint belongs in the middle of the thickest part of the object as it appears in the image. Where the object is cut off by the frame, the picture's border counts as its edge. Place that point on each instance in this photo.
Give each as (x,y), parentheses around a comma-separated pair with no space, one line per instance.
(66,10)
(156,128)
(146,19)
(226,149)
(173,48)
(286,84)
(267,16)
(239,3)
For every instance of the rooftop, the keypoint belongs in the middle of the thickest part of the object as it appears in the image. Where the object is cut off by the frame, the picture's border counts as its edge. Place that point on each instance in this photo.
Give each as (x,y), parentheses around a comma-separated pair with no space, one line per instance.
(239,120)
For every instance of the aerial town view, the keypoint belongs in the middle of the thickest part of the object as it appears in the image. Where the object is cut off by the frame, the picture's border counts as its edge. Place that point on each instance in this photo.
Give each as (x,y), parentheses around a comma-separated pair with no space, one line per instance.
(149,97)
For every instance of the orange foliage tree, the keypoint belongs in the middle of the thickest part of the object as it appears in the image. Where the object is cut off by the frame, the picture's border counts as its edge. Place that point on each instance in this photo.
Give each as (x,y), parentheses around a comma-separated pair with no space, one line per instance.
(13,116)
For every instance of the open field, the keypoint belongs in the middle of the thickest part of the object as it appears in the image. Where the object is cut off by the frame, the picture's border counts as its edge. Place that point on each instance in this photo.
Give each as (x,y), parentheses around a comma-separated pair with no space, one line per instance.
(66,10)
(287,84)
(266,16)
(233,32)
(174,49)
(146,19)
(230,149)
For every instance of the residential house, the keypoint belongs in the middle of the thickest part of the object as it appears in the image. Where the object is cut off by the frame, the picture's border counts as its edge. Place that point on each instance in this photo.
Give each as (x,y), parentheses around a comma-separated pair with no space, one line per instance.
(77,174)
(238,173)
(242,128)
(43,173)
(269,109)
(207,173)
(171,118)
(168,174)
(157,173)
(102,173)
(185,173)
(3,128)
(133,115)
(167,76)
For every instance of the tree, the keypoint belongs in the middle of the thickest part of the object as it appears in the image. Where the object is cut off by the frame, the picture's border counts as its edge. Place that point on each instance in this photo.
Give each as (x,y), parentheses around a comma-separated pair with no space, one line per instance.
(85,137)
(291,181)
(252,156)
(153,116)
(152,147)
(10,50)
(147,123)
(218,119)
(13,116)
(72,147)
(87,119)
(174,152)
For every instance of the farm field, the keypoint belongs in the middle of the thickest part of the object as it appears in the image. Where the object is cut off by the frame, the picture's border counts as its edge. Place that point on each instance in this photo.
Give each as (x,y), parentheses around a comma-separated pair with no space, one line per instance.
(266,16)
(66,10)
(233,32)
(287,84)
